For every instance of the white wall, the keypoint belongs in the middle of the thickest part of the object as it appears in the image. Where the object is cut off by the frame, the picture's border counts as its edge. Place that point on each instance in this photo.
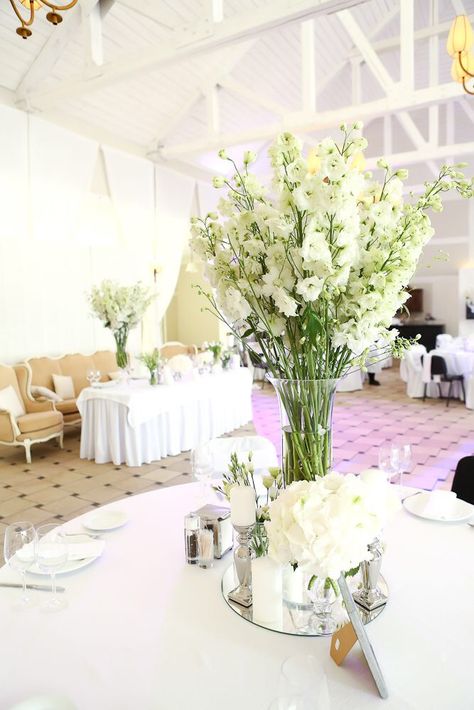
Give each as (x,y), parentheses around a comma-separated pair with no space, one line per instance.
(68,220)
(441,299)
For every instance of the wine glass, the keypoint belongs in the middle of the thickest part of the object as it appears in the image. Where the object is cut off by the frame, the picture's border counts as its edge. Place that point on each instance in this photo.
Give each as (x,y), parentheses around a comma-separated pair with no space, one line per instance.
(404,459)
(90,376)
(389,462)
(19,549)
(96,375)
(202,462)
(302,685)
(52,555)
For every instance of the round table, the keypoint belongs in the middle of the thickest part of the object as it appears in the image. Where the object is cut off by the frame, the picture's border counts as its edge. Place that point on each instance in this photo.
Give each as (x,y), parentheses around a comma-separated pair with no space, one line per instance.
(144,630)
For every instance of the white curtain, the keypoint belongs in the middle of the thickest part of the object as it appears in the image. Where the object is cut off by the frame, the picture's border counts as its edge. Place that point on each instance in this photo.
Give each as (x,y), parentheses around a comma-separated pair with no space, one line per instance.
(174,197)
(208,197)
(131,183)
(61,169)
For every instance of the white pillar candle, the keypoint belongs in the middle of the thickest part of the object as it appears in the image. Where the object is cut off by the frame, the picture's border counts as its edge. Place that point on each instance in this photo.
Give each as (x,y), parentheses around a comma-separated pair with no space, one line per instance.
(266,590)
(242,505)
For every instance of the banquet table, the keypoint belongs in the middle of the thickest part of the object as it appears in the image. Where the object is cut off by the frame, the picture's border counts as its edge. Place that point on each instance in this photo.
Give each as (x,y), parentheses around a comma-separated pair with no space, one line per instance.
(144,630)
(137,423)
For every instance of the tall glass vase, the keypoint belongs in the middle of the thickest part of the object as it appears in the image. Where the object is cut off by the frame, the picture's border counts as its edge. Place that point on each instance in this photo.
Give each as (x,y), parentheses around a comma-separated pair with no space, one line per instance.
(306,421)
(121,356)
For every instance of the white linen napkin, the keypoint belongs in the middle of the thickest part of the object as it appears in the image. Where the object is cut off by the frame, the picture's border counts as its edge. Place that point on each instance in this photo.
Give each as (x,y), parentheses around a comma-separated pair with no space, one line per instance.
(82,550)
(440,504)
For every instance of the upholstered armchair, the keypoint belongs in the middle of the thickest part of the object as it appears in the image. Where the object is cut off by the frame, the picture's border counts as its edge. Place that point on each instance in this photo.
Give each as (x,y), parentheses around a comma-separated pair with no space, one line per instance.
(25,421)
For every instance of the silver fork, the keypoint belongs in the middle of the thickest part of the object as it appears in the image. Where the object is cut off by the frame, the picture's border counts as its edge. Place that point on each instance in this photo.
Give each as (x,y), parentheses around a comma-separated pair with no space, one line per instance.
(86,534)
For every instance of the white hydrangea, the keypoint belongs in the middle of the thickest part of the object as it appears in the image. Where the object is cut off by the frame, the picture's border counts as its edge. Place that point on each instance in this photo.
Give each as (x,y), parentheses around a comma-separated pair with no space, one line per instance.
(326,525)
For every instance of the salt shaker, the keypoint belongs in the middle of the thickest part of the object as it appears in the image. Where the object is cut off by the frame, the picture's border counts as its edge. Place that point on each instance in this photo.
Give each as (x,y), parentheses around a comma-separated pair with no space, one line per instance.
(192,524)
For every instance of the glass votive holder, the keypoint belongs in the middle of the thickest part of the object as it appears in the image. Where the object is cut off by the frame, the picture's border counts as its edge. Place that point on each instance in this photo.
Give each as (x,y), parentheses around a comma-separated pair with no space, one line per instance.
(206,548)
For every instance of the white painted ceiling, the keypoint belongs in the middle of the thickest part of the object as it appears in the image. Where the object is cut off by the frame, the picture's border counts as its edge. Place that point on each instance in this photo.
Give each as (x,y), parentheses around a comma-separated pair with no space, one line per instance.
(162,109)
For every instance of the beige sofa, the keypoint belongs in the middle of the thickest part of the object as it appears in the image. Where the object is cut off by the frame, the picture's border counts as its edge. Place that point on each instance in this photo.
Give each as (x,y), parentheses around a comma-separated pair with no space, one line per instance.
(75,366)
(40,422)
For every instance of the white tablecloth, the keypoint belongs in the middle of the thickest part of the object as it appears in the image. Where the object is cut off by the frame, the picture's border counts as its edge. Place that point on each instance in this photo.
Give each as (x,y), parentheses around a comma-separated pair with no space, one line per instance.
(145,631)
(137,423)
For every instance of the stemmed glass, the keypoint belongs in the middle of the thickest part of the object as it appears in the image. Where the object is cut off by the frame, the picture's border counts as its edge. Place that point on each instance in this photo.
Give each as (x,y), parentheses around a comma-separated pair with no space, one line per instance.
(52,555)
(20,548)
(302,685)
(93,376)
(389,462)
(202,462)
(404,459)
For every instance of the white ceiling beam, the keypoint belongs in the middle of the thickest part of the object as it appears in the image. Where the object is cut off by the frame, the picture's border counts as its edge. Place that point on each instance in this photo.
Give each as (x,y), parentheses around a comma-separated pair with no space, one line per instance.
(55,46)
(356,81)
(467,108)
(190,42)
(407,44)
(309,122)
(353,53)
(430,152)
(168,126)
(92,33)
(242,91)
(387,134)
(308,66)
(221,68)
(150,10)
(217,10)
(381,74)
(385,45)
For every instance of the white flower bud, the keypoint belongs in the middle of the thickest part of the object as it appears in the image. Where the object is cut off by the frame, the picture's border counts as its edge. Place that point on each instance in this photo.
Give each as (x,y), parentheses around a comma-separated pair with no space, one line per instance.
(218,181)
(249,157)
(223,154)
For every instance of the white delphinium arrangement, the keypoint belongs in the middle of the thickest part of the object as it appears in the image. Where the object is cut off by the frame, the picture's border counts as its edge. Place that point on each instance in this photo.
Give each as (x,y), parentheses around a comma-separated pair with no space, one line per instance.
(120,308)
(325,526)
(313,267)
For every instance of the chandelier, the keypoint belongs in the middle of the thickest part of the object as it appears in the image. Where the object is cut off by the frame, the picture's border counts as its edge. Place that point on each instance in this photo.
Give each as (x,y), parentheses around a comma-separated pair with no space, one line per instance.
(32,5)
(459,45)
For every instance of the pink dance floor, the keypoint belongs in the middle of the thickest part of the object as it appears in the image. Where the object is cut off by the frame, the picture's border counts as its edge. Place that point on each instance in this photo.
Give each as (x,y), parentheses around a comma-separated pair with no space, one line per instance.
(367,419)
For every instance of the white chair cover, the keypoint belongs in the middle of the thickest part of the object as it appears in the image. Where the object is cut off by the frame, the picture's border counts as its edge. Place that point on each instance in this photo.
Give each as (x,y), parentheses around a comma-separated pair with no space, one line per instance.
(351,382)
(469,387)
(411,370)
(444,340)
(264,452)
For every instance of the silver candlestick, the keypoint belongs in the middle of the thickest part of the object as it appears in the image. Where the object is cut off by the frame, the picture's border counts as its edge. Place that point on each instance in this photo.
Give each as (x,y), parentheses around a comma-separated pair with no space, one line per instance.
(243,554)
(370,597)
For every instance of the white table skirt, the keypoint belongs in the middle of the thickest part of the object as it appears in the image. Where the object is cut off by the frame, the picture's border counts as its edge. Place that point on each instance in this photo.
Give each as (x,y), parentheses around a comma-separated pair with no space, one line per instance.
(143,630)
(146,423)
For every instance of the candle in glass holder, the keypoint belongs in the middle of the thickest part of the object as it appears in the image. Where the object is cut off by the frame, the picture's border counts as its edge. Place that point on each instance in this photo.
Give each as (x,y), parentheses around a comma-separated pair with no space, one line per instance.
(242,506)
(266,590)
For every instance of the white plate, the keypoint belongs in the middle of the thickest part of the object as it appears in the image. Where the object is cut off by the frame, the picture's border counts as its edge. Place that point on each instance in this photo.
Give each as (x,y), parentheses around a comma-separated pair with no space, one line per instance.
(461,511)
(105,520)
(70,566)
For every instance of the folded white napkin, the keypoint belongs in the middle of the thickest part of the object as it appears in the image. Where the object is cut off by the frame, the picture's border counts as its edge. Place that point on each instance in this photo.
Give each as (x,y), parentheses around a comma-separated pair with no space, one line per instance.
(82,550)
(102,385)
(440,504)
